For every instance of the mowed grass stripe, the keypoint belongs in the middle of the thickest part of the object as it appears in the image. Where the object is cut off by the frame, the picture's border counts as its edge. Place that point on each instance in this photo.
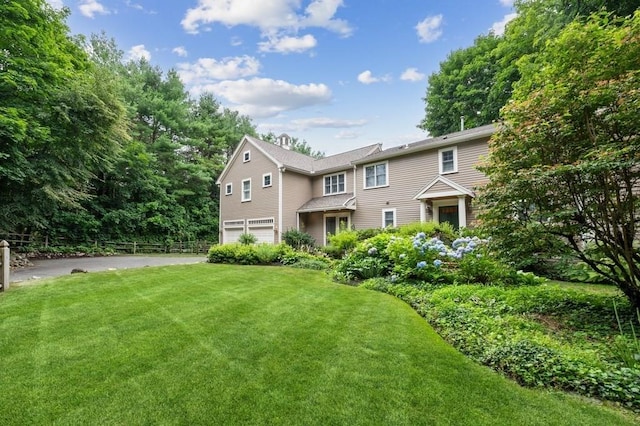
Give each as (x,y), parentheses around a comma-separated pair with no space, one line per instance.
(220,344)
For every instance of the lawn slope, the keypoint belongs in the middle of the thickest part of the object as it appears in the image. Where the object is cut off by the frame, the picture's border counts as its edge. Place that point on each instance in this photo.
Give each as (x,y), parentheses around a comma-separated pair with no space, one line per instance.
(220,344)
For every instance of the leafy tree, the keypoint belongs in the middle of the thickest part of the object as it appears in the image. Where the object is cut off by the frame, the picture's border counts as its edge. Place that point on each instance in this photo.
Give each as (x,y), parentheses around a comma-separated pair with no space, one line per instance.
(566,157)
(461,89)
(477,81)
(60,120)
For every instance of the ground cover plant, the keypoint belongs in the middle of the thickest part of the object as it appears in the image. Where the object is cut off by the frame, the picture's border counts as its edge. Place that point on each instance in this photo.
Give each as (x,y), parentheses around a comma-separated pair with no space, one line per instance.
(227,344)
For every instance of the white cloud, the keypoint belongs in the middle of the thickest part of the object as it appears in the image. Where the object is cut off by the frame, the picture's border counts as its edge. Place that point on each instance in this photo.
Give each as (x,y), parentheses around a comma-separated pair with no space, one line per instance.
(273,18)
(288,44)
(138,52)
(366,77)
(90,8)
(348,135)
(207,70)
(326,122)
(264,97)
(498,27)
(236,41)
(412,74)
(56,4)
(133,5)
(180,51)
(429,29)
(506,3)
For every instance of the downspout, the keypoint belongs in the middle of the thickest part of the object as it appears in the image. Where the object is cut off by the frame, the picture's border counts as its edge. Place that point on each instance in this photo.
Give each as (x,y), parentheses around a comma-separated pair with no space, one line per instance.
(281,171)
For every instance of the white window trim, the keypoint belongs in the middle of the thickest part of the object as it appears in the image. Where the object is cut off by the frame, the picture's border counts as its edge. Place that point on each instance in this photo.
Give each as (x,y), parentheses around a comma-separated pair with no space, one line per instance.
(364,175)
(246,156)
(242,198)
(455,160)
(270,180)
(228,189)
(384,211)
(324,187)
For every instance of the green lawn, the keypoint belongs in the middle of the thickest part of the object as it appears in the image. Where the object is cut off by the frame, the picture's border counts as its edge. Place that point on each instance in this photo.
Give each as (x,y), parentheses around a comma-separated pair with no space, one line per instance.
(220,344)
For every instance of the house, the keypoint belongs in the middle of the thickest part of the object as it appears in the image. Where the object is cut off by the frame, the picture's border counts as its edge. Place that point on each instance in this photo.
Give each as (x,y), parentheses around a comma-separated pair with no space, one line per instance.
(267,189)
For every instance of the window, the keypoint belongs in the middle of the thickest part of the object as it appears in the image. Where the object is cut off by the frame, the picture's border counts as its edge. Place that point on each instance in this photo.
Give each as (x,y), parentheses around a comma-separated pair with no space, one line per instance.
(246,190)
(246,156)
(334,184)
(448,160)
(266,180)
(388,218)
(228,189)
(375,175)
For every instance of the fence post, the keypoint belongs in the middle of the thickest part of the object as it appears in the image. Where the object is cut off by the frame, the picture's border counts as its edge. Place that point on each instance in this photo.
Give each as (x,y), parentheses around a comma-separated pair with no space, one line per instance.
(6,264)
(134,247)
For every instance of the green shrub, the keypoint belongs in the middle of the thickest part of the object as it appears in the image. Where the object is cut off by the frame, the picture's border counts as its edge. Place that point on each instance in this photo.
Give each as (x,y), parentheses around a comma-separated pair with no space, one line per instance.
(298,239)
(442,231)
(247,239)
(344,241)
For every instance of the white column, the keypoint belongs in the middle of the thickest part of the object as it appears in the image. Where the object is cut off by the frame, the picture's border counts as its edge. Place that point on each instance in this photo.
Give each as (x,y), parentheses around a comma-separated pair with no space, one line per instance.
(423,211)
(462,211)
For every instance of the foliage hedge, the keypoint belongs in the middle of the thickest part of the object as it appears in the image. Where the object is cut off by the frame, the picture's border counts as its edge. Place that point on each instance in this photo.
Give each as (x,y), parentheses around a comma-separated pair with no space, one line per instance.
(540,336)
(266,254)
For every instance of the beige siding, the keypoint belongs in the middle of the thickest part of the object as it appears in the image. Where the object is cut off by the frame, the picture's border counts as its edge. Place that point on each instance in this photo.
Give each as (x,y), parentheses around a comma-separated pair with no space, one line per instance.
(407,176)
(314,226)
(296,190)
(264,201)
(318,182)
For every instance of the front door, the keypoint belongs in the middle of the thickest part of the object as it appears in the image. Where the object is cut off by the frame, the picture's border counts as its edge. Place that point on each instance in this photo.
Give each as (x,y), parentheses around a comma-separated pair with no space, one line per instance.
(334,224)
(449,214)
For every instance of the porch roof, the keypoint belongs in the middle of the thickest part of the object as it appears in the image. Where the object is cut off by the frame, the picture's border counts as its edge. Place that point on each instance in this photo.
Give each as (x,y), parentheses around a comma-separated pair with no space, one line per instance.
(329,203)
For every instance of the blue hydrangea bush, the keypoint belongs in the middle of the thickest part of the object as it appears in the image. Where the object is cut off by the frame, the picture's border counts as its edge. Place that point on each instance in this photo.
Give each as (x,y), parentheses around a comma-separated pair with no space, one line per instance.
(427,258)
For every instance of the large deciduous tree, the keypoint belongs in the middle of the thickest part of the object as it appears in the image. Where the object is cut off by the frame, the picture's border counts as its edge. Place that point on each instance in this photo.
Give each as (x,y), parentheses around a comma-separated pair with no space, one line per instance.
(567,156)
(60,120)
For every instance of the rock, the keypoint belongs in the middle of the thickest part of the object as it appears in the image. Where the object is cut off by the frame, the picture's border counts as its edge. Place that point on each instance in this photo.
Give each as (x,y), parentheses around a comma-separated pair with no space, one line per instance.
(79,271)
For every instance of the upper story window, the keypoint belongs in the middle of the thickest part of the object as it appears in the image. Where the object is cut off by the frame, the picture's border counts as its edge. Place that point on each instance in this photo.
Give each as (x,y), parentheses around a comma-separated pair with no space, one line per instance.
(334,184)
(228,189)
(448,160)
(388,218)
(266,180)
(246,156)
(246,190)
(375,175)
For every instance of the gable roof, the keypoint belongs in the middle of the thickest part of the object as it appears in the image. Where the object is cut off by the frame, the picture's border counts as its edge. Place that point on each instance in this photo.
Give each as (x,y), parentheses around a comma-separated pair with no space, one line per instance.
(431,143)
(442,187)
(292,160)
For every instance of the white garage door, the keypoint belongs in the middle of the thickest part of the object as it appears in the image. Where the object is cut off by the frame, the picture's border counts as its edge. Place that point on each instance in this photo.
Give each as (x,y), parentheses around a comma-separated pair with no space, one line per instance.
(262,229)
(231,231)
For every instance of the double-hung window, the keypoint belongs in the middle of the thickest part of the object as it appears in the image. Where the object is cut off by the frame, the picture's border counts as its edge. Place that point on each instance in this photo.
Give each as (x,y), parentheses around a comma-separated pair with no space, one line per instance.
(266,180)
(334,184)
(448,160)
(376,175)
(246,190)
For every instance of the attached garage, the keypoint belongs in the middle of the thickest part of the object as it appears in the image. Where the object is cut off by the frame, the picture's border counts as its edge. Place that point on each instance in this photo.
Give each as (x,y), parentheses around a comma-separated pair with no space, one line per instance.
(263,229)
(231,230)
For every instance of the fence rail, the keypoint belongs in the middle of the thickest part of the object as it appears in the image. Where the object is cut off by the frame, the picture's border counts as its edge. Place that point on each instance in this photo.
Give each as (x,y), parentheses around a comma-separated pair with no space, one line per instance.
(22,240)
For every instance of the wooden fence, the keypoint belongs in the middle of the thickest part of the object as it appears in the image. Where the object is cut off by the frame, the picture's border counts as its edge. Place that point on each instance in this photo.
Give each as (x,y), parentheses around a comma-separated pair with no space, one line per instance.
(18,241)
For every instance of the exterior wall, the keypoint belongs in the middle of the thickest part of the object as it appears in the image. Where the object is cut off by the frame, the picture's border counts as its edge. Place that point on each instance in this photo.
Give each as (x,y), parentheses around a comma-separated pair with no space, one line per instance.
(318,182)
(409,174)
(264,201)
(296,190)
(313,225)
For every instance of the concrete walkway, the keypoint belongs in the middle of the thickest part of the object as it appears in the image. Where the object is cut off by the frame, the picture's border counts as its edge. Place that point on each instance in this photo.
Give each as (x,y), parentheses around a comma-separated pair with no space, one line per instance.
(49,268)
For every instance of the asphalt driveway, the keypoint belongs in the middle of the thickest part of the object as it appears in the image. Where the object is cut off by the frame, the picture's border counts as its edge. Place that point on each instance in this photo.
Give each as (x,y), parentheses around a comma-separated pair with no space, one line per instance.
(49,268)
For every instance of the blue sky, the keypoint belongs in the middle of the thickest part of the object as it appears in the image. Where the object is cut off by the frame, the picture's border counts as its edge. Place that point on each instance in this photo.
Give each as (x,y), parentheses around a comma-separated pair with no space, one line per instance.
(339,74)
